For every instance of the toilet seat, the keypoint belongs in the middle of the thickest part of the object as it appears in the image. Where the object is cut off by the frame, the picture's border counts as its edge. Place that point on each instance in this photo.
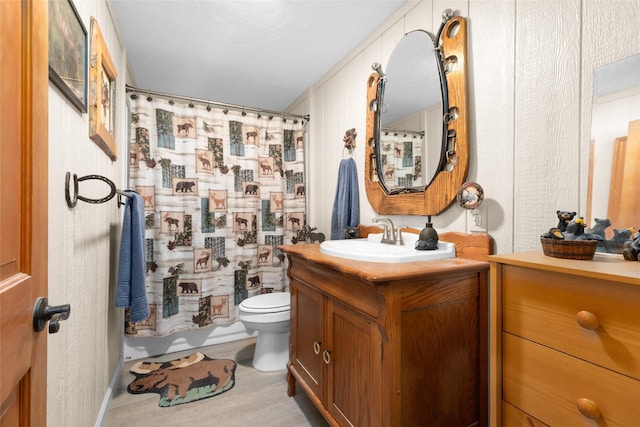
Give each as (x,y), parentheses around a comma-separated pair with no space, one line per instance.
(267,303)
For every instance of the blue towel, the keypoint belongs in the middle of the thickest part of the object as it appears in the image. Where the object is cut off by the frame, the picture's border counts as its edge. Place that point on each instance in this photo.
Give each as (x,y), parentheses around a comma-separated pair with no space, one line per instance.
(346,206)
(132,267)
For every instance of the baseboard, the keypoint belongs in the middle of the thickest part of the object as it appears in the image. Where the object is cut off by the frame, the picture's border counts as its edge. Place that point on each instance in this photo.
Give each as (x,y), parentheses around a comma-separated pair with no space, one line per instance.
(109,394)
(139,348)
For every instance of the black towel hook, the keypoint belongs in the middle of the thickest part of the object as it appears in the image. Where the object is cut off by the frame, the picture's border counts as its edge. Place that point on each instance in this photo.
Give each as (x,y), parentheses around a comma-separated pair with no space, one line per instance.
(71,202)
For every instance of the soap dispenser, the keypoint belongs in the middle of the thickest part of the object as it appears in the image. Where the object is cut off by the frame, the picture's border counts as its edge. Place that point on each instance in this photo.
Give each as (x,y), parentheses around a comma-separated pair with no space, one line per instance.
(428,239)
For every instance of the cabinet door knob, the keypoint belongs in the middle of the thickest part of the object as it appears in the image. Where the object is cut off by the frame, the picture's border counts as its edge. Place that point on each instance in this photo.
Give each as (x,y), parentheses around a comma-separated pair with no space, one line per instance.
(588,408)
(587,320)
(326,356)
(316,347)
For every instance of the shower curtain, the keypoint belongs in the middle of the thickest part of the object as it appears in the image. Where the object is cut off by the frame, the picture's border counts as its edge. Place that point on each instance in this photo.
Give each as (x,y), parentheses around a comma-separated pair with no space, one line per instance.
(401,158)
(221,189)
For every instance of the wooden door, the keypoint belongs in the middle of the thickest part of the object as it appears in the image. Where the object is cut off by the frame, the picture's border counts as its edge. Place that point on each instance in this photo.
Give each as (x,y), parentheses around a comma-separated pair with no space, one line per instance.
(624,195)
(307,332)
(354,367)
(23,210)
(630,194)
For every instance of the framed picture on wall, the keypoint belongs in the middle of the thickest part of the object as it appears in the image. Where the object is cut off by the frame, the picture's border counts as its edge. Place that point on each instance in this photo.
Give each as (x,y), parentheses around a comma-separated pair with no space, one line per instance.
(68,52)
(102,94)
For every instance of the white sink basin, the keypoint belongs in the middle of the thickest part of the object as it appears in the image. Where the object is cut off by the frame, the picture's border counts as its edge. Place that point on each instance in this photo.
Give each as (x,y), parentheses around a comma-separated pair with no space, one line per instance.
(370,249)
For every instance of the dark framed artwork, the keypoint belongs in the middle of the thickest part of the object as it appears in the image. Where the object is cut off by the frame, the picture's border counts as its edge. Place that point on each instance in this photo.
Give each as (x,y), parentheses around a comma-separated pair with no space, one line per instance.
(68,52)
(102,94)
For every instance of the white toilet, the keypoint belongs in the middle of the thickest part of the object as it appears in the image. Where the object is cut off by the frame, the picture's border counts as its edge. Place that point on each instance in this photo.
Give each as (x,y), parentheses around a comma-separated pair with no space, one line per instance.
(269,315)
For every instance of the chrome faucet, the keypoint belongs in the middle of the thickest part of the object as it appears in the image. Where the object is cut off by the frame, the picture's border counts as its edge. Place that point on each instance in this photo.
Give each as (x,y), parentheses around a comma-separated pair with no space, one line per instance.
(389,233)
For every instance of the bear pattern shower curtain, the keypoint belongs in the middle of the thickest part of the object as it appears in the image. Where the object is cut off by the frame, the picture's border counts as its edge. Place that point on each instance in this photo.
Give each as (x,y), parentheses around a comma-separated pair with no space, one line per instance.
(221,189)
(401,156)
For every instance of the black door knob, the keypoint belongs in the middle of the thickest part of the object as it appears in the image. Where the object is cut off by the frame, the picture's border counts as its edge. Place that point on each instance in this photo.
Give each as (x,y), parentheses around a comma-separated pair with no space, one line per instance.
(43,313)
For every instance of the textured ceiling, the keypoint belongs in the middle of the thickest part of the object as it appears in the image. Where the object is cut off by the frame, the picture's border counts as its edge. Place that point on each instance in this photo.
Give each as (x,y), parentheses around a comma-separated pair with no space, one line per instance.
(260,53)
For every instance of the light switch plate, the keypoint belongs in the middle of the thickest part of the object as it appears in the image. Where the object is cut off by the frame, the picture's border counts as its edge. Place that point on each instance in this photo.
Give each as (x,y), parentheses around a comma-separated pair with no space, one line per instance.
(477,220)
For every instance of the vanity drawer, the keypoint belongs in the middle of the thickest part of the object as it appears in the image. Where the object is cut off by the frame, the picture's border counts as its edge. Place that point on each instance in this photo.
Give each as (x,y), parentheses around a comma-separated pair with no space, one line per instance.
(544,307)
(548,384)
(514,417)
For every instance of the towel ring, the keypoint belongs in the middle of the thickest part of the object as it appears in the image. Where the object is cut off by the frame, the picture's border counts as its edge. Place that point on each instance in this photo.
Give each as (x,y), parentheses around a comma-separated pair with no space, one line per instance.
(71,202)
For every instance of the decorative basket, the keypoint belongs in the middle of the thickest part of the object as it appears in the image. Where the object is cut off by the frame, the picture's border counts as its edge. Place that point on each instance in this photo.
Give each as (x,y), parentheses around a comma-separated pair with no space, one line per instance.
(570,249)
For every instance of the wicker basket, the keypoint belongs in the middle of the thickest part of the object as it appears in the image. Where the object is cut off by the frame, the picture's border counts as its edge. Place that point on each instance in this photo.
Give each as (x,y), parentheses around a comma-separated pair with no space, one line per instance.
(571,249)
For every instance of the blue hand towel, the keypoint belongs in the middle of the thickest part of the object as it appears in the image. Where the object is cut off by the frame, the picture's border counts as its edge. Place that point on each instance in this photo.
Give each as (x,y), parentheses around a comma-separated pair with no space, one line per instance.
(346,206)
(132,267)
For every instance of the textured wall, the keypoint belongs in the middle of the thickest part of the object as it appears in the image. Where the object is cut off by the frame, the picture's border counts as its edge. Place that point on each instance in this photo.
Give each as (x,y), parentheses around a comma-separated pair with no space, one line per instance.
(530,80)
(83,247)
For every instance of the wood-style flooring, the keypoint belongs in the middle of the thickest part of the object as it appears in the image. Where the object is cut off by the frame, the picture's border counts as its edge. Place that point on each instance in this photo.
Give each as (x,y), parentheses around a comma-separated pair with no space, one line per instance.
(257,399)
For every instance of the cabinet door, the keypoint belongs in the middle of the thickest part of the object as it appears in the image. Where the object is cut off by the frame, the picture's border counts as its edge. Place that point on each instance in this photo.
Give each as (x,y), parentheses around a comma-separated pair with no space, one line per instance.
(307,317)
(354,361)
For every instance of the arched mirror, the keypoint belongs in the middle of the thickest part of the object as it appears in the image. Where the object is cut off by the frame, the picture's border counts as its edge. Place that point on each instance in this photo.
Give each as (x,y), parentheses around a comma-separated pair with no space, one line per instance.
(410,113)
(417,152)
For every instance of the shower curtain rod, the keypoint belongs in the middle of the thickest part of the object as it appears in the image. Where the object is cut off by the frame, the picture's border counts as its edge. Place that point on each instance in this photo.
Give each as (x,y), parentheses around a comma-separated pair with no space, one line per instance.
(404,131)
(215,104)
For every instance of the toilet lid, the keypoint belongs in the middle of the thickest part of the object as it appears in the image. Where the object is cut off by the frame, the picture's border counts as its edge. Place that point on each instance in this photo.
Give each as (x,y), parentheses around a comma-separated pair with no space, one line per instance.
(267,303)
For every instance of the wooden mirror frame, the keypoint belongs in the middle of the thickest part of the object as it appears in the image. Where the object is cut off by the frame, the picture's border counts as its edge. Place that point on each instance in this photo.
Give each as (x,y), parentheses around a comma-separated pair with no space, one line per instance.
(442,190)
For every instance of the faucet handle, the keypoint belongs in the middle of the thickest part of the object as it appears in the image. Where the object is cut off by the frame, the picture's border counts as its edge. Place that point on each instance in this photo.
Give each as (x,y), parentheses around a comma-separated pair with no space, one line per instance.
(385,231)
(400,241)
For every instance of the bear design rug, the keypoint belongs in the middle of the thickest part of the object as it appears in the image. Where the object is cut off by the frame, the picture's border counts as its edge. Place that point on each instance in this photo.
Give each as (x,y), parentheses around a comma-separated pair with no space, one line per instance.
(184,380)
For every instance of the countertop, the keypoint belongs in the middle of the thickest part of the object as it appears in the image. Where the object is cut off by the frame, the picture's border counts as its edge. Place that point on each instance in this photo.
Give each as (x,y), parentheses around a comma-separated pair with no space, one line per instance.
(603,266)
(377,272)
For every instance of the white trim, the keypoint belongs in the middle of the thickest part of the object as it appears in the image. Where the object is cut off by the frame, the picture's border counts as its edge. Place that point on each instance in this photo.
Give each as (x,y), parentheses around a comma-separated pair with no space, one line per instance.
(109,394)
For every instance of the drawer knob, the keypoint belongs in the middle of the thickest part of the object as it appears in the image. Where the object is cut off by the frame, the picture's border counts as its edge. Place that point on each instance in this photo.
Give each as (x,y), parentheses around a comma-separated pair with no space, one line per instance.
(587,320)
(588,408)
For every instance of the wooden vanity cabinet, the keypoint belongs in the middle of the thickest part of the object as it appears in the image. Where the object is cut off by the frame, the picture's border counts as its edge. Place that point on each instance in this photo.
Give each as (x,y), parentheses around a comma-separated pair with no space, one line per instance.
(377,344)
(337,353)
(566,339)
